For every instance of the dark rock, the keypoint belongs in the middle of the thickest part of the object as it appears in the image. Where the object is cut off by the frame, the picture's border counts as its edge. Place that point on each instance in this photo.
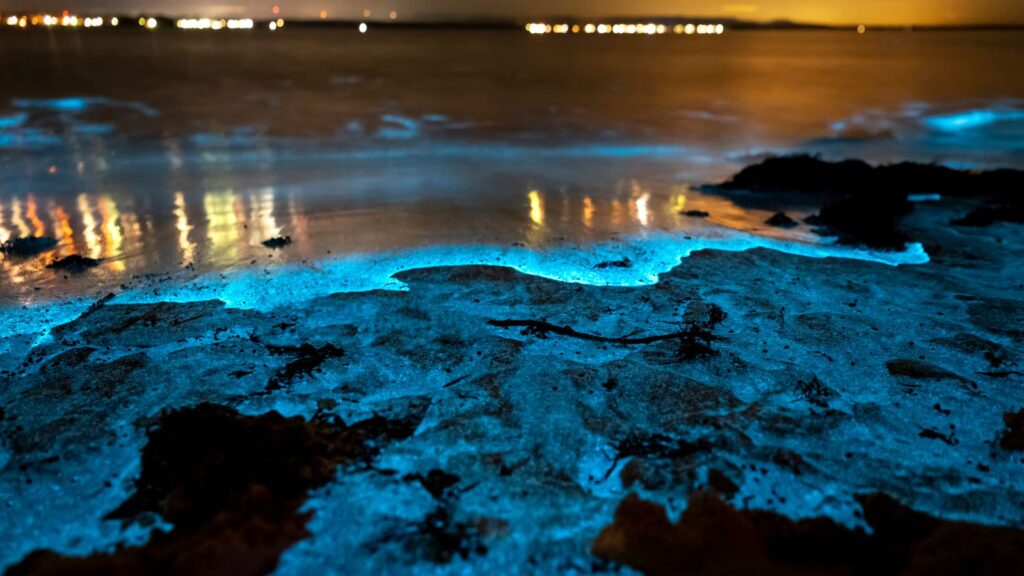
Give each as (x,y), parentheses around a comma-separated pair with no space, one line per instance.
(814,176)
(781,220)
(1013,437)
(864,204)
(695,213)
(27,246)
(869,219)
(1010,211)
(712,537)
(233,486)
(278,242)
(74,263)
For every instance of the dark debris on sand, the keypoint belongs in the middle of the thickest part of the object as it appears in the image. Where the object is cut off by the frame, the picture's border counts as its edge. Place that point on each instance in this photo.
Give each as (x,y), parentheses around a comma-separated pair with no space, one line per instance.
(306,360)
(712,537)
(27,246)
(439,538)
(696,213)
(232,485)
(1013,437)
(623,263)
(864,204)
(694,339)
(277,242)
(74,263)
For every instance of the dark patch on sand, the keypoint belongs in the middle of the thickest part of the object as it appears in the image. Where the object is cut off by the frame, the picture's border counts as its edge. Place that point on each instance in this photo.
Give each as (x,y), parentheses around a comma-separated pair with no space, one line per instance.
(307,359)
(712,537)
(1012,438)
(232,486)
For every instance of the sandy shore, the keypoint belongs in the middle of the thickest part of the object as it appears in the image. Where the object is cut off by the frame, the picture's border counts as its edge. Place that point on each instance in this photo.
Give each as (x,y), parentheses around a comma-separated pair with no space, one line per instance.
(490,420)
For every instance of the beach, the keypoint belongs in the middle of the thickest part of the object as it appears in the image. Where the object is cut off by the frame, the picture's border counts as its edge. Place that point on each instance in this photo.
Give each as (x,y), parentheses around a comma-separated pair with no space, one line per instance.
(363,325)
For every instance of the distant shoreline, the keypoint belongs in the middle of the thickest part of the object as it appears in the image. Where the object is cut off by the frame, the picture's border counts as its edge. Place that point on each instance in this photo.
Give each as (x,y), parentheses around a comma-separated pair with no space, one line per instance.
(127,23)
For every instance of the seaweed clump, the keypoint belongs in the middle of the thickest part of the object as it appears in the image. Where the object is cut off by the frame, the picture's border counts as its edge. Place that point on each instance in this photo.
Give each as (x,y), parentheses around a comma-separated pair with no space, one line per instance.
(232,485)
(307,360)
(277,242)
(74,263)
(712,537)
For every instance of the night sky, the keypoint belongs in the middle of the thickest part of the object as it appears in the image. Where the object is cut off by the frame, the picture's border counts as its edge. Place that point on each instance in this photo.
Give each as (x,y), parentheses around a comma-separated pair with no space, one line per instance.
(824,11)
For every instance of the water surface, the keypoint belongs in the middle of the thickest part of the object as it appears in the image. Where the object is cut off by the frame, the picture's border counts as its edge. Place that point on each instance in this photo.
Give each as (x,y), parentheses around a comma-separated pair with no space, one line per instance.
(171,152)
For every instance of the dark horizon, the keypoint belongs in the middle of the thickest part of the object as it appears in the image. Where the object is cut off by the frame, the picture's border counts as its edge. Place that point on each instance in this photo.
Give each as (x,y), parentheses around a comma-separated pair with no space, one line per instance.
(483,21)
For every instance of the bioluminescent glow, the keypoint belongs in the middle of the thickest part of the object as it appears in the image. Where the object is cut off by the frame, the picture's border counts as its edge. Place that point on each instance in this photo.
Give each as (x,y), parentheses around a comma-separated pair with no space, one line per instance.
(651,254)
(973,119)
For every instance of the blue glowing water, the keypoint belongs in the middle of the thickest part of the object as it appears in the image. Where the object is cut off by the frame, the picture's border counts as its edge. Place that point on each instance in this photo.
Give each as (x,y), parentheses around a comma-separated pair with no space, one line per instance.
(973,119)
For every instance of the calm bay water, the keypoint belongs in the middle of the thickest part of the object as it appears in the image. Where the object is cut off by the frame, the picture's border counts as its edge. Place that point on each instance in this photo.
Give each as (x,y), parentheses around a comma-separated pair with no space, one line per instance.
(155,150)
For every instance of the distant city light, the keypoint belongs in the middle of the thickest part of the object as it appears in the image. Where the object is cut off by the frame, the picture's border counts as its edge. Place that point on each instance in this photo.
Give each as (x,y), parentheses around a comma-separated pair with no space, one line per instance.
(276,10)
(366,13)
(862,29)
(69,20)
(208,24)
(649,29)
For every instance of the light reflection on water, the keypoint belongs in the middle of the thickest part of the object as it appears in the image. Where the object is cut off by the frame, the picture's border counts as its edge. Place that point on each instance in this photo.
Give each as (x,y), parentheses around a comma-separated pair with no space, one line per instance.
(223,228)
(502,142)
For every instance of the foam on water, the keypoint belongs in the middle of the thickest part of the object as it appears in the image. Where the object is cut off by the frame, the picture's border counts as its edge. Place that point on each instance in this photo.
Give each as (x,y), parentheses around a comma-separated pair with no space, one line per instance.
(266,289)
(15,121)
(81,104)
(973,119)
